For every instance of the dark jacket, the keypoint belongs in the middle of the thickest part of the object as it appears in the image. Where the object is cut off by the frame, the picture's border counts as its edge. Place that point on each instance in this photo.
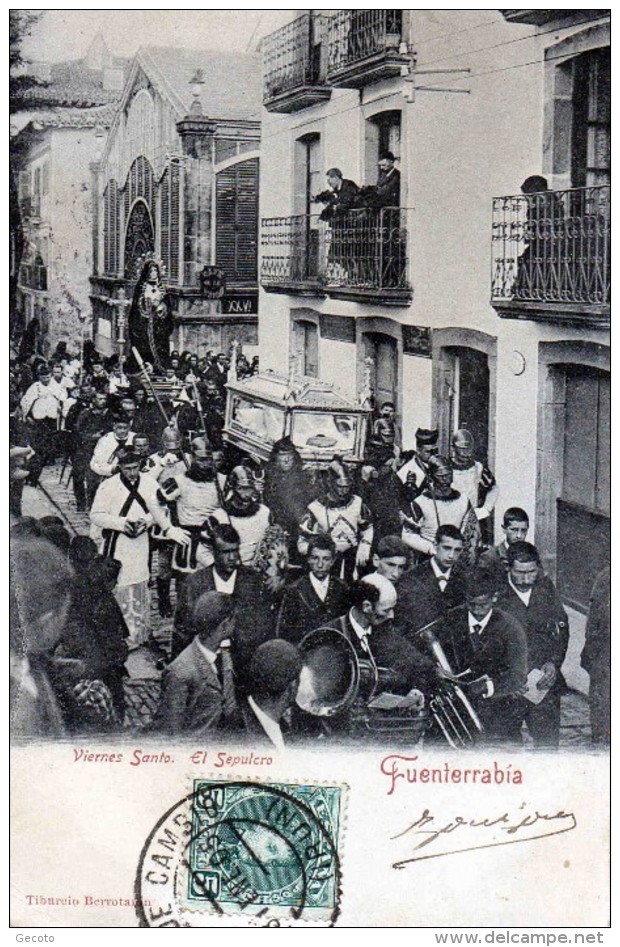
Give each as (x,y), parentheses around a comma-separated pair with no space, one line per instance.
(341,201)
(544,620)
(194,586)
(401,666)
(421,601)
(191,701)
(500,652)
(387,190)
(303,610)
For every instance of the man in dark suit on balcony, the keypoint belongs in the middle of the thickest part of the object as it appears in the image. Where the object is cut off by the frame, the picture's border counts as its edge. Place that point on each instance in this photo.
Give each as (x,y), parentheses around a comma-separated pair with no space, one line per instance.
(387,190)
(340,197)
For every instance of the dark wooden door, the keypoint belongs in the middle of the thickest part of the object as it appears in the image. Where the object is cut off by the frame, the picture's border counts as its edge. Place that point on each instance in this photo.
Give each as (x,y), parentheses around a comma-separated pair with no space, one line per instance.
(472,370)
(383,350)
(583,529)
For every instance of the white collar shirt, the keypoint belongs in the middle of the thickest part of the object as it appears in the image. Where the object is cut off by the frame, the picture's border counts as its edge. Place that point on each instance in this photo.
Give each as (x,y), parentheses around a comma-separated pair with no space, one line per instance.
(320,586)
(524,596)
(362,633)
(477,627)
(442,577)
(208,654)
(270,726)
(224,586)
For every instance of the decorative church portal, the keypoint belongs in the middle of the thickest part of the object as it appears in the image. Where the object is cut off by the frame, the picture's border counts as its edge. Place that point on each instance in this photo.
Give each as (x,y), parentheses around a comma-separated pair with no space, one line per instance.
(139,240)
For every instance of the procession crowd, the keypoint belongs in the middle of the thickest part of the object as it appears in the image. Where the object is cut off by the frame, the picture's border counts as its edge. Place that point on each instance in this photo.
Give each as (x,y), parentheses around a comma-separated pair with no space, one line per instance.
(394,556)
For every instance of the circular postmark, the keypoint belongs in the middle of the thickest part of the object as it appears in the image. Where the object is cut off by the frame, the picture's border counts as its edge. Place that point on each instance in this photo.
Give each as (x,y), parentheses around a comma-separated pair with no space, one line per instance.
(243,853)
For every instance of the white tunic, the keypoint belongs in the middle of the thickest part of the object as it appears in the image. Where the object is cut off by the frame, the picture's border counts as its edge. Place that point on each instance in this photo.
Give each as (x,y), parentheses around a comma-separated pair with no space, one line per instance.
(104,460)
(468,481)
(43,401)
(110,512)
(196,500)
(251,530)
(435,513)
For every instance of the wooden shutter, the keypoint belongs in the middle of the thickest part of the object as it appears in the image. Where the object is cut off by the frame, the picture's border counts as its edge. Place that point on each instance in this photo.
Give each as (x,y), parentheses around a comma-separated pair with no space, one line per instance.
(111,228)
(236,228)
(175,212)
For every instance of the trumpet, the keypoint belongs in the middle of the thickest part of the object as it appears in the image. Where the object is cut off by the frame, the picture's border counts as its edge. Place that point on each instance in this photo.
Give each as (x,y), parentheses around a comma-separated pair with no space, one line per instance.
(449,706)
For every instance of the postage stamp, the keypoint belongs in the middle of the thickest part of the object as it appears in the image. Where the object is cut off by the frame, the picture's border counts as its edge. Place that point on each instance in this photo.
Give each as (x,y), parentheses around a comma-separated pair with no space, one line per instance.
(236,853)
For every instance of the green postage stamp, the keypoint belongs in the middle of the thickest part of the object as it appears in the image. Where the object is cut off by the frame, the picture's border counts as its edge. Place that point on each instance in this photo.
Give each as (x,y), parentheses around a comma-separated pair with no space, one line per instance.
(271,850)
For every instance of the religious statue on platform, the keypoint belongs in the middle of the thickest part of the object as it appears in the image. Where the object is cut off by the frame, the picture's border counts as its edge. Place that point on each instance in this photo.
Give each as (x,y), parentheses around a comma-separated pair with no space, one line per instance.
(150,319)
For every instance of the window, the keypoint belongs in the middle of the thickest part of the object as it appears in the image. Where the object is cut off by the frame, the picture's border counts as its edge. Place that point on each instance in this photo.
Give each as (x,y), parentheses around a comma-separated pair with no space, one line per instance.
(169,209)
(591,118)
(383,133)
(236,228)
(111,228)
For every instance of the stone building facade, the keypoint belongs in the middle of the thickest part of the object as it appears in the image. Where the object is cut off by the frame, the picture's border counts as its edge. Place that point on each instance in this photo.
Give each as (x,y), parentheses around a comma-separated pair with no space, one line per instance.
(178,181)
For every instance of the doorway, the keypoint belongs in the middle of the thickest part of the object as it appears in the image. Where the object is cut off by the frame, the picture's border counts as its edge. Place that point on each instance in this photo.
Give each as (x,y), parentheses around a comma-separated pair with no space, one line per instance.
(383,350)
(583,507)
(306,342)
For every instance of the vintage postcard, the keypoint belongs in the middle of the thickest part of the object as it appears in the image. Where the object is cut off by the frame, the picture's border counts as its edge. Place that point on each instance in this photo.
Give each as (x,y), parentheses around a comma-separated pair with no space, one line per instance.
(310,469)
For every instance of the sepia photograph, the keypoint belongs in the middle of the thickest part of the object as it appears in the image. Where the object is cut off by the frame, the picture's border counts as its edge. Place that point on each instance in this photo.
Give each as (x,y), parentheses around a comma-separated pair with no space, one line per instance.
(309,393)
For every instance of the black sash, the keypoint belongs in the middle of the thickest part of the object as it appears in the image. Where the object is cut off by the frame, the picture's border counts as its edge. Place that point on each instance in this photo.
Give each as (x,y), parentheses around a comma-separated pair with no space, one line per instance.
(184,558)
(110,536)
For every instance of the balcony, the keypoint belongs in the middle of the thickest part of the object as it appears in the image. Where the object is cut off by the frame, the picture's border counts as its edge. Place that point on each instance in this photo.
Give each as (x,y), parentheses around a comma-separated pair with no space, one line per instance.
(33,276)
(294,65)
(551,256)
(363,47)
(361,256)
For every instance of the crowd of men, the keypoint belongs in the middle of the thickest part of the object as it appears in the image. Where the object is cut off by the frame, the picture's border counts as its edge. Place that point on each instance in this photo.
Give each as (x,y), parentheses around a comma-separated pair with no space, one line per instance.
(394,556)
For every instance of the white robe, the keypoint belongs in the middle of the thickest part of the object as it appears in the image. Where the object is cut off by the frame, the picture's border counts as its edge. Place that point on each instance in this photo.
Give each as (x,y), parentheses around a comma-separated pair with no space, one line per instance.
(105,515)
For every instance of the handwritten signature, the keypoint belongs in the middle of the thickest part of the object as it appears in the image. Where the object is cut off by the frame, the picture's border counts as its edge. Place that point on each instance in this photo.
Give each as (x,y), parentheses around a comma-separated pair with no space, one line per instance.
(488,832)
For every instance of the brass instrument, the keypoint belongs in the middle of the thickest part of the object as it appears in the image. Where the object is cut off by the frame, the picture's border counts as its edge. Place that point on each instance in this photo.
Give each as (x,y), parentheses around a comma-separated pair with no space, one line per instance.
(339,684)
(450,708)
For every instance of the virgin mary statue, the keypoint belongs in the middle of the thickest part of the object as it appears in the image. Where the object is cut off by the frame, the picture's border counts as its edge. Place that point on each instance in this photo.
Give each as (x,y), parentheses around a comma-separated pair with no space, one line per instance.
(150,319)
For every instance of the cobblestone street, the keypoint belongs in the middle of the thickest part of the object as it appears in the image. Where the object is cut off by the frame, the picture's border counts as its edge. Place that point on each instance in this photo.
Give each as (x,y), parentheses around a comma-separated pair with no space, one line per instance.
(143,684)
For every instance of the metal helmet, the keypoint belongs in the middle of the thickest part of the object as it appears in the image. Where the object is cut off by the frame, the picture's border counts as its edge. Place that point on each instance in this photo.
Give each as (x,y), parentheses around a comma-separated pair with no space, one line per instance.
(463,440)
(439,465)
(240,476)
(170,439)
(201,448)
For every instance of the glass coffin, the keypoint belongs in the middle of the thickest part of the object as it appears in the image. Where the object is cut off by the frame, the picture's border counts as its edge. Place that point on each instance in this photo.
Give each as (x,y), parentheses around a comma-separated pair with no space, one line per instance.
(319,419)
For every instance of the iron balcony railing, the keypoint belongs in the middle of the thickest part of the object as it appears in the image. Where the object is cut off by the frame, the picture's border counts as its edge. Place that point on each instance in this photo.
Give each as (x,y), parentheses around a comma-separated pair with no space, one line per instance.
(292,56)
(359,250)
(552,247)
(357,35)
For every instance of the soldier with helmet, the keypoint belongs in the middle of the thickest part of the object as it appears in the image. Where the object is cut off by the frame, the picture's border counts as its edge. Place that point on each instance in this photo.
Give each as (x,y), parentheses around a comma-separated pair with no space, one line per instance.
(198,492)
(472,477)
(439,505)
(340,513)
(244,510)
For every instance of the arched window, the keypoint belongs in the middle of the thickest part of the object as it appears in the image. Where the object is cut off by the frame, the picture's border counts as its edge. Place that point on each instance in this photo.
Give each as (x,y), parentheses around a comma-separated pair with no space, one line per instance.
(140,125)
(139,239)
